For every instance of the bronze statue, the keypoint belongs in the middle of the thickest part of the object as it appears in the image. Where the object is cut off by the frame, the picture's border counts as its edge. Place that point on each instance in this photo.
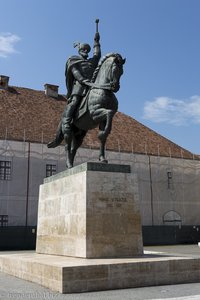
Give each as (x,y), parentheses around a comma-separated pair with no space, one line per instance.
(91,101)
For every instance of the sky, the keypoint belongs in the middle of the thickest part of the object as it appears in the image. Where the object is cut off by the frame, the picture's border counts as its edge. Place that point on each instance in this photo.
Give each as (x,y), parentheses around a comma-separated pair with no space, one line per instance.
(160,40)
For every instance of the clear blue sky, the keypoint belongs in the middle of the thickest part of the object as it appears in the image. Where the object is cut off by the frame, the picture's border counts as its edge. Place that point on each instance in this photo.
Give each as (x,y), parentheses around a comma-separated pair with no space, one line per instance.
(159,38)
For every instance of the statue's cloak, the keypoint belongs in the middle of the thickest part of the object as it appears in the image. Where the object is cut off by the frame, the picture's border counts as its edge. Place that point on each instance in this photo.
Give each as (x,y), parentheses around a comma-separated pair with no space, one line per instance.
(68,73)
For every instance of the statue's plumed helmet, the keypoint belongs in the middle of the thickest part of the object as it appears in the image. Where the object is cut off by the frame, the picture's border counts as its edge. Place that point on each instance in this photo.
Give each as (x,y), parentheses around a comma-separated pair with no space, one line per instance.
(82,46)
(85,46)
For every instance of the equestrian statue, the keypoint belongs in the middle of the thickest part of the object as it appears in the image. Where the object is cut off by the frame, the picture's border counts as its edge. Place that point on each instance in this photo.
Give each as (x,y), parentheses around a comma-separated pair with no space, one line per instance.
(91,84)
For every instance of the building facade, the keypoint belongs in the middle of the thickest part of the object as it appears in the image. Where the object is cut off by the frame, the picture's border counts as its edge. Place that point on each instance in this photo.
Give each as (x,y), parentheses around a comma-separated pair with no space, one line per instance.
(168,175)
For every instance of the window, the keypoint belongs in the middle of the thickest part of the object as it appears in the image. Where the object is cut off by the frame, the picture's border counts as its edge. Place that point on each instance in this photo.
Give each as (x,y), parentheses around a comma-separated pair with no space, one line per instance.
(5,170)
(169,179)
(50,170)
(3,220)
(172,217)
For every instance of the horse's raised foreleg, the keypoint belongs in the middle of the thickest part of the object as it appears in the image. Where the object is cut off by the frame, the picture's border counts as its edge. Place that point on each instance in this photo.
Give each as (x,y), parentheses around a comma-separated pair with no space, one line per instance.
(104,115)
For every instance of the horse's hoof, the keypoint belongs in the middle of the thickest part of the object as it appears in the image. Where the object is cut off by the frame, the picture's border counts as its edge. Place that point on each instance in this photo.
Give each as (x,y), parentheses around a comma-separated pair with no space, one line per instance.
(69,166)
(103,160)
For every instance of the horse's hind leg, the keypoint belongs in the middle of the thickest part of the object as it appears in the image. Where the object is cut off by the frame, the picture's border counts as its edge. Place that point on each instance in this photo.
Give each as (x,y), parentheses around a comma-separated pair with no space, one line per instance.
(69,154)
(76,143)
(59,138)
(71,148)
(69,160)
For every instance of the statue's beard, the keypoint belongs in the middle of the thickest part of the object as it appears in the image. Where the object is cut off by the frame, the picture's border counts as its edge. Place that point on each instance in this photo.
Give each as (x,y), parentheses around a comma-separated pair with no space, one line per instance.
(84,55)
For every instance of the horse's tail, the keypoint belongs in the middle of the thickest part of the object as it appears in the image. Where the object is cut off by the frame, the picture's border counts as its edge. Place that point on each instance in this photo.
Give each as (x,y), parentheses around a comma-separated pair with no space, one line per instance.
(59,138)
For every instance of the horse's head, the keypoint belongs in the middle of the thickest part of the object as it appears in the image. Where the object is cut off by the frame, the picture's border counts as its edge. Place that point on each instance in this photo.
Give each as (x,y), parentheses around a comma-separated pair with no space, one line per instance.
(110,70)
(116,72)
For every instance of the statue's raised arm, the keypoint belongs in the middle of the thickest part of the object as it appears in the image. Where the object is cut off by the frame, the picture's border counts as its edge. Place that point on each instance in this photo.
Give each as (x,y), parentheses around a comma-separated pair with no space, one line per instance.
(97,46)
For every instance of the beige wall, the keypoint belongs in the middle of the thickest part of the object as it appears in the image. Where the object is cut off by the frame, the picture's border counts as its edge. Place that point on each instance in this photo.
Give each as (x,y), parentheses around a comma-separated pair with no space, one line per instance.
(158,196)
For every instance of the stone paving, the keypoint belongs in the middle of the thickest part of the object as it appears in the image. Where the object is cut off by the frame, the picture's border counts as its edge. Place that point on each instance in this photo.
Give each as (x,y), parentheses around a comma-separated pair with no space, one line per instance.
(15,288)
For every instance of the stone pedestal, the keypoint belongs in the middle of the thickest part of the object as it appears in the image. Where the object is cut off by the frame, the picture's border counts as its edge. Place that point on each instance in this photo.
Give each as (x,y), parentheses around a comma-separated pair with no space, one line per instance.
(90,211)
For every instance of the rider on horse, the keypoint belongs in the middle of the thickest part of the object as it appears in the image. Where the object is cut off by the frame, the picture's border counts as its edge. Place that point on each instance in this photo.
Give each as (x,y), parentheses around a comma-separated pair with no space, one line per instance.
(100,103)
(79,71)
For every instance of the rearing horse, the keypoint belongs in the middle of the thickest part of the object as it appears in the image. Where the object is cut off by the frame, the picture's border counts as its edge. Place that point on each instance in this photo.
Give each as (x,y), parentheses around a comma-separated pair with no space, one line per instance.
(97,108)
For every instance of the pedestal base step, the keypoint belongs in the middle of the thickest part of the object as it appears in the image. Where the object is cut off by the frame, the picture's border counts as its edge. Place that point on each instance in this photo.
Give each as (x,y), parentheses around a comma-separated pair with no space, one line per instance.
(75,275)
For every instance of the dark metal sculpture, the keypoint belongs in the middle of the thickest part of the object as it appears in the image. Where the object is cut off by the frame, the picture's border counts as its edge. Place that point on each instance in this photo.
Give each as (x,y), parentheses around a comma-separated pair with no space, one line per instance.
(91,101)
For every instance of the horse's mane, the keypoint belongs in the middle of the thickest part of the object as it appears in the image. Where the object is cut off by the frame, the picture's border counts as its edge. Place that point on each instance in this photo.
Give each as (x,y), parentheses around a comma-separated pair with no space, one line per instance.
(96,71)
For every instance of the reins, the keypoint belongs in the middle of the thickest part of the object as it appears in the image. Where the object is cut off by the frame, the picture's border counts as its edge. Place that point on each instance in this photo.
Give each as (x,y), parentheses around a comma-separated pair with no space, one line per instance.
(107,86)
